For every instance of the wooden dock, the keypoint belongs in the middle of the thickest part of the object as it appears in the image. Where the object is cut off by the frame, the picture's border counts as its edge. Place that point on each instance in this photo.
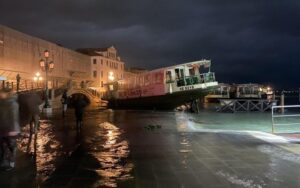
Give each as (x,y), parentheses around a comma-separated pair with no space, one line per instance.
(245,105)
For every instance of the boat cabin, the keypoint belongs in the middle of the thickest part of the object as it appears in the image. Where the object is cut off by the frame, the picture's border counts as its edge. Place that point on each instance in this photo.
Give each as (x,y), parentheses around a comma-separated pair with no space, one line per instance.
(252,91)
(190,73)
(167,80)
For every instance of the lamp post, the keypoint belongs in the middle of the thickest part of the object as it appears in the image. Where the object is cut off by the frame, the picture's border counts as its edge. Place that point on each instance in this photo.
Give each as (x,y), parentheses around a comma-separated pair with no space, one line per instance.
(46,66)
(37,78)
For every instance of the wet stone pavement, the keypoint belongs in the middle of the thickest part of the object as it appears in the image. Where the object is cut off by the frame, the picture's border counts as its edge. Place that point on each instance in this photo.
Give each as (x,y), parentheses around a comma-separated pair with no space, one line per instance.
(148,149)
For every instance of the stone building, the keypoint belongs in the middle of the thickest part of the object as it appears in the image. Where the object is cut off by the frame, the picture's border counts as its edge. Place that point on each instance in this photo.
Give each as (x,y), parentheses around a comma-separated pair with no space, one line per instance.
(20,54)
(106,66)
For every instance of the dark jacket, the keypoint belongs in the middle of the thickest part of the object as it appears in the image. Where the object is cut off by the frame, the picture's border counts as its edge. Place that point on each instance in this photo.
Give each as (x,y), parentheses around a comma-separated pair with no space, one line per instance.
(64,98)
(9,117)
(29,106)
(79,106)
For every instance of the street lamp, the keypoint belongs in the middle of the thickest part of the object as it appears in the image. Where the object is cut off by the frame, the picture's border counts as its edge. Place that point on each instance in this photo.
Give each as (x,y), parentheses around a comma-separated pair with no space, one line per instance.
(111,76)
(37,78)
(46,66)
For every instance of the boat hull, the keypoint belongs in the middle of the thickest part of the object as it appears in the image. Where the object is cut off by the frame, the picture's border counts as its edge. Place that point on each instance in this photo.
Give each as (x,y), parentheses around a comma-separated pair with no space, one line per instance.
(161,102)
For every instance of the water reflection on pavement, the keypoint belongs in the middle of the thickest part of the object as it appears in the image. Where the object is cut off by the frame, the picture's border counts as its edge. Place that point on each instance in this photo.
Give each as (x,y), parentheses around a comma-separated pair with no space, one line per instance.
(62,156)
(111,151)
(48,149)
(151,149)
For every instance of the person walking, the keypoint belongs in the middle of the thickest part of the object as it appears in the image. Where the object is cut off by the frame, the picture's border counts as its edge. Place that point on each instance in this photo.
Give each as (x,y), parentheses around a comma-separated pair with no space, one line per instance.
(64,102)
(79,105)
(9,129)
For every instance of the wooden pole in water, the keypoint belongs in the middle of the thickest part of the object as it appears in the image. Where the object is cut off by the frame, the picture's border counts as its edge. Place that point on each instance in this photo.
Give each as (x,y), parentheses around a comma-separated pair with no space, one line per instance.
(282,102)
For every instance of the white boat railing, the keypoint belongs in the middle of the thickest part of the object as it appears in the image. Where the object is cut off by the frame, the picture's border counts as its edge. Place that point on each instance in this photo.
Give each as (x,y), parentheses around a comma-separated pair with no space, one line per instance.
(282,114)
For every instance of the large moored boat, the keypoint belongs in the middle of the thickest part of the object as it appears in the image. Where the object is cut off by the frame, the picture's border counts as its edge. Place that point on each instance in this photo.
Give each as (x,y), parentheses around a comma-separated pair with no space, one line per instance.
(164,88)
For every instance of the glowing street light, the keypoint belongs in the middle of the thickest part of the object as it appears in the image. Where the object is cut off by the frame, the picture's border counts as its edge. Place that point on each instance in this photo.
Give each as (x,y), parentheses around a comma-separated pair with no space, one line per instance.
(111,76)
(37,78)
(46,66)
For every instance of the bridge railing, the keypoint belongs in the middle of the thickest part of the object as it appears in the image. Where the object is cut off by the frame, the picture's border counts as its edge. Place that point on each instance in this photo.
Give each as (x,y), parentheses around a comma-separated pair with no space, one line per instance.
(284,113)
(24,85)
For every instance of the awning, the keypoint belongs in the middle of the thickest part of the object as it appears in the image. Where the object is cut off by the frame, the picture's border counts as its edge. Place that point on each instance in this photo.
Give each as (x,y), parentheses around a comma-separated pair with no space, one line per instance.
(2,78)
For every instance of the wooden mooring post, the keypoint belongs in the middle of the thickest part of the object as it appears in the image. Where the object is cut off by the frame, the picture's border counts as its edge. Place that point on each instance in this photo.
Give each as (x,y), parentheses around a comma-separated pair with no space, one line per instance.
(245,105)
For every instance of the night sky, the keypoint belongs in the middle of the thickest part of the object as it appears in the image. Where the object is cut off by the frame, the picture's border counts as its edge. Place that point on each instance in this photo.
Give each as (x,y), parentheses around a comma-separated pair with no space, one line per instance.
(247,41)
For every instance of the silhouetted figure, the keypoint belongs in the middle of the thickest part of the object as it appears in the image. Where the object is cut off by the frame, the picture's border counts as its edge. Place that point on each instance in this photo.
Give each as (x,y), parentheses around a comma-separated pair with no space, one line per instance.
(29,109)
(64,102)
(9,129)
(79,105)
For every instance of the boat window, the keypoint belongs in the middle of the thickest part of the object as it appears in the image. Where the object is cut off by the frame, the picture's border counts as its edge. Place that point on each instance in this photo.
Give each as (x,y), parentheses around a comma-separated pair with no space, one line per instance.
(247,90)
(141,80)
(192,72)
(147,79)
(168,76)
(177,73)
(181,73)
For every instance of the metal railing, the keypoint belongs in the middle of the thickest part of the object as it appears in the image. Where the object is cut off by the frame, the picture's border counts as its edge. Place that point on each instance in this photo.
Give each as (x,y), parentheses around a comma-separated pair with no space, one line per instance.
(282,115)
(195,79)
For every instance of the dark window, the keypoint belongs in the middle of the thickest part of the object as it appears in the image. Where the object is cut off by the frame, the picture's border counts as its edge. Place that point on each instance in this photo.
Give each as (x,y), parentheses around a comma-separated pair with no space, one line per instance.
(94,61)
(168,76)
(101,61)
(95,74)
(101,83)
(101,74)
(192,72)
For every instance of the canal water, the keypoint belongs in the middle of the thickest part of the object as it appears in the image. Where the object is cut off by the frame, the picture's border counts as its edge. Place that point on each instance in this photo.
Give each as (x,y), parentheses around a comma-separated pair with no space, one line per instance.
(210,120)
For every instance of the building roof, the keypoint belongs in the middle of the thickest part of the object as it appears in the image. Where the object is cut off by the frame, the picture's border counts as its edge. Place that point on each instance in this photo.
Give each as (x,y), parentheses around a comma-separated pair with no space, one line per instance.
(93,51)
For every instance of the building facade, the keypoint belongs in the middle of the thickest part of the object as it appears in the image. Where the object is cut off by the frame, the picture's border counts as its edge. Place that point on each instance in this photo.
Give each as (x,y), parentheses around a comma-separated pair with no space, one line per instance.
(20,55)
(106,66)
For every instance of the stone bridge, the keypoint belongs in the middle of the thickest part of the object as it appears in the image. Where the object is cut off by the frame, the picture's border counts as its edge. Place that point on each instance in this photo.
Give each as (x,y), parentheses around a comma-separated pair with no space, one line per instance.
(92,96)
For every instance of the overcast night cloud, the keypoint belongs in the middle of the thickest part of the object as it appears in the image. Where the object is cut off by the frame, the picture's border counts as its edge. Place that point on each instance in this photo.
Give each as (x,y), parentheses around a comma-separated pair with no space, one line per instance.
(247,41)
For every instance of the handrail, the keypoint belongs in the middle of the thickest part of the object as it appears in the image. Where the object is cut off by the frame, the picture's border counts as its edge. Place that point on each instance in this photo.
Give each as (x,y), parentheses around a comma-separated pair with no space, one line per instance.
(200,79)
(283,115)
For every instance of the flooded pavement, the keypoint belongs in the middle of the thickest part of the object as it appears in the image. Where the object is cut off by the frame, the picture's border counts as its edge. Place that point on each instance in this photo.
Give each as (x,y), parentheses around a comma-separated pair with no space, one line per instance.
(152,149)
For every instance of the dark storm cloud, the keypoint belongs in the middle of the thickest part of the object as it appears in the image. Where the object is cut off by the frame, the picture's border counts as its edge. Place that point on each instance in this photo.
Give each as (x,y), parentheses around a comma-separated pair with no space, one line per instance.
(248,41)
